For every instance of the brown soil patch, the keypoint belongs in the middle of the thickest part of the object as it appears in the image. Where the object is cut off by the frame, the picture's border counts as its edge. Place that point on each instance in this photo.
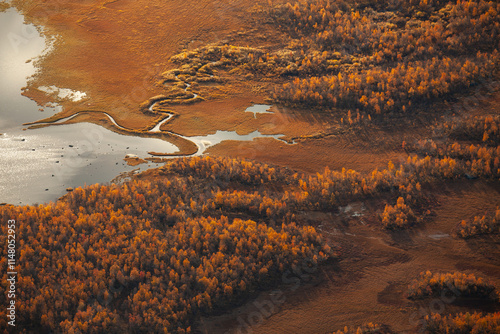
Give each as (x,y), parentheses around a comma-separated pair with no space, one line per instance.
(369,284)
(313,155)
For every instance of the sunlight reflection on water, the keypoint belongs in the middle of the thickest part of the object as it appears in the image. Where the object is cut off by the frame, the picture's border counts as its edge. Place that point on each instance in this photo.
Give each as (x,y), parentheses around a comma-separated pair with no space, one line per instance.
(38,165)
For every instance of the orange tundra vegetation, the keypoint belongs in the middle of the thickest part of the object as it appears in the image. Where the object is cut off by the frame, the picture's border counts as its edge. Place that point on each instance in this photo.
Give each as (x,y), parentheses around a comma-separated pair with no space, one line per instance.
(430,284)
(112,267)
(480,129)
(362,56)
(463,323)
(480,225)
(155,254)
(381,57)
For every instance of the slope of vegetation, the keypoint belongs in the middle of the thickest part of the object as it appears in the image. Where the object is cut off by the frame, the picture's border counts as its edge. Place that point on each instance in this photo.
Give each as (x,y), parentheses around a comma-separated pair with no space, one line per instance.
(382,57)
(430,284)
(367,329)
(106,260)
(362,56)
(480,129)
(481,225)
(463,323)
(157,253)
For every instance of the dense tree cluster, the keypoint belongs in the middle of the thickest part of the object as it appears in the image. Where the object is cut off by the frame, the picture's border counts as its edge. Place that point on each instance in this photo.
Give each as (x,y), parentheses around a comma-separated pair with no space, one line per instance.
(381,57)
(383,89)
(291,192)
(208,188)
(480,129)
(229,170)
(398,216)
(409,29)
(325,190)
(475,160)
(430,284)
(370,328)
(154,254)
(480,225)
(253,203)
(127,258)
(333,188)
(463,323)
(321,191)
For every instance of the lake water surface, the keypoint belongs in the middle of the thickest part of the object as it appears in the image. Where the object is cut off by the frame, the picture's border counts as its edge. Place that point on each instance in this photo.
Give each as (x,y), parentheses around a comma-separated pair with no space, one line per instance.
(38,165)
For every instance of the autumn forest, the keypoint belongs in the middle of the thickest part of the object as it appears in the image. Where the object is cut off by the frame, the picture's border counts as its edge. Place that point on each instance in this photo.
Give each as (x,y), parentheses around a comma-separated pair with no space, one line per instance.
(380,201)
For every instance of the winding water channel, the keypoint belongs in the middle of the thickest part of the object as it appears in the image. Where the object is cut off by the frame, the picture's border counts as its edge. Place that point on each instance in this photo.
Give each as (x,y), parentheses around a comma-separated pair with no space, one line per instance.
(38,165)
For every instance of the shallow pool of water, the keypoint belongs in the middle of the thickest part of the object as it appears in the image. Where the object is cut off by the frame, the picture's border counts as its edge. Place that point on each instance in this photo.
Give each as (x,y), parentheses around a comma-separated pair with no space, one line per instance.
(204,142)
(63,93)
(259,109)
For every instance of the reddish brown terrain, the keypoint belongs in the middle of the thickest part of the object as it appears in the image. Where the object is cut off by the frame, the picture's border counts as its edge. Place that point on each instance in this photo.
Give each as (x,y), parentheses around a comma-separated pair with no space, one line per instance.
(370,282)
(118,52)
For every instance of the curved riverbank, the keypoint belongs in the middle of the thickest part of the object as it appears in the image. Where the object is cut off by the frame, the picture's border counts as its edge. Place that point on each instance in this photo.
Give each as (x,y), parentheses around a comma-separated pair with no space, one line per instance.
(185,146)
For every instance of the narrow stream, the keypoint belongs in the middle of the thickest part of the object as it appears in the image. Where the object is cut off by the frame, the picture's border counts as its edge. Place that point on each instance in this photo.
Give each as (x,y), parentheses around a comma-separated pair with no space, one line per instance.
(38,165)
